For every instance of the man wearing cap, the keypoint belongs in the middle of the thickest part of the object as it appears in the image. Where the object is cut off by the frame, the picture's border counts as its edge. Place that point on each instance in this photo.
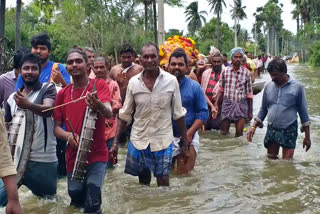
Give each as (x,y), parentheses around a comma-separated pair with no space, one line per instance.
(235,94)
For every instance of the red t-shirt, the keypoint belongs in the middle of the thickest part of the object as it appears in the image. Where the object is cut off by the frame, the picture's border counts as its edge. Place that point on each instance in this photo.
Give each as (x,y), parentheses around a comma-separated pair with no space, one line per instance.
(75,113)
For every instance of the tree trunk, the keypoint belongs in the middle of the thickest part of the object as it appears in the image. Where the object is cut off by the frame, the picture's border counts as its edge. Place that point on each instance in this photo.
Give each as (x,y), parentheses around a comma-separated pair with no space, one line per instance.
(155,29)
(116,55)
(2,34)
(218,33)
(18,26)
(145,16)
(235,33)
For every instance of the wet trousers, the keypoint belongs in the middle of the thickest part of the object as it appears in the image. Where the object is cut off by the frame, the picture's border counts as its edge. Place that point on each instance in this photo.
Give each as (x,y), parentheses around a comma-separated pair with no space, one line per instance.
(87,193)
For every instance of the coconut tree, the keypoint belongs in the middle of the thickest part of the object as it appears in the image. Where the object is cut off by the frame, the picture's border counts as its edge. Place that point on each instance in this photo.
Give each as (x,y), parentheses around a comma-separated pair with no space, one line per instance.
(217,7)
(194,17)
(237,14)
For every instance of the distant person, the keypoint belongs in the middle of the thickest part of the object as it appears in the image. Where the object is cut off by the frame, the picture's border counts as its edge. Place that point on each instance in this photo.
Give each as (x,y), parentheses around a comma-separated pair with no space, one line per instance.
(50,71)
(259,64)
(283,99)
(122,73)
(210,86)
(153,96)
(8,80)
(90,53)
(235,94)
(225,60)
(100,66)
(252,66)
(267,62)
(194,101)
(190,73)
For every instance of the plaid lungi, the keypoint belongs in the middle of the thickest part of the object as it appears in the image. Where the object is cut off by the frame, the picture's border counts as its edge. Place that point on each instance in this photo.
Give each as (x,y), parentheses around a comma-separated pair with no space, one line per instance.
(159,162)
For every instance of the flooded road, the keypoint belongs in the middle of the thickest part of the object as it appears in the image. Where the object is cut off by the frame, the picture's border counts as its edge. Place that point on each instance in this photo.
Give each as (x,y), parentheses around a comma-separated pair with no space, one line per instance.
(230,176)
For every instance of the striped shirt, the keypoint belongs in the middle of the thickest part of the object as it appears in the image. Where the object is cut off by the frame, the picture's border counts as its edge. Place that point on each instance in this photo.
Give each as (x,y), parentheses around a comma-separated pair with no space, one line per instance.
(211,84)
(236,85)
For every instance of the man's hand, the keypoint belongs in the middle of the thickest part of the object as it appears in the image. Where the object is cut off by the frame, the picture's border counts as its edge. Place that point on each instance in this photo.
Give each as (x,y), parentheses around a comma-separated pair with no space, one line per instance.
(306,143)
(189,136)
(73,142)
(251,133)
(184,149)
(57,76)
(214,111)
(13,207)
(113,152)
(21,100)
(93,101)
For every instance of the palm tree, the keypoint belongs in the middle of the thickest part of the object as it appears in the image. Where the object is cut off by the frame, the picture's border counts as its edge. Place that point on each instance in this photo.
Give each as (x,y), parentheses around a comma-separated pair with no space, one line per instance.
(217,7)
(194,17)
(237,14)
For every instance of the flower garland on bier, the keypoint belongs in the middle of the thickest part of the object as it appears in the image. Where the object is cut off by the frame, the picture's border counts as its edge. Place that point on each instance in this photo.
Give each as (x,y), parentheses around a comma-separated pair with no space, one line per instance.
(174,42)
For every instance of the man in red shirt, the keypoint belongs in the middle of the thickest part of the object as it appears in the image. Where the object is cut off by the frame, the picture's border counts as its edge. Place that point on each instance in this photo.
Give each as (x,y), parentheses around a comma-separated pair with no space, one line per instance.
(87,193)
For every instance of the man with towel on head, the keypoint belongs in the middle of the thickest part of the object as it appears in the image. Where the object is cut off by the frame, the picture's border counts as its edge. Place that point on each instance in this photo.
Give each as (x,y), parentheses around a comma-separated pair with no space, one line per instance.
(235,94)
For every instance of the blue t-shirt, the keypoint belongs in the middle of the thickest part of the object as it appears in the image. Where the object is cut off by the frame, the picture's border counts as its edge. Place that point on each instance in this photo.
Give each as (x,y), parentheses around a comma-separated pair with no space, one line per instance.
(194,101)
(46,73)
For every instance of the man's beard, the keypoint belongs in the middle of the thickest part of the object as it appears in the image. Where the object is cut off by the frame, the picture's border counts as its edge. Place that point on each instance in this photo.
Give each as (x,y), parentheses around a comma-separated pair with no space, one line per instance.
(42,60)
(126,64)
(217,68)
(150,68)
(30,83)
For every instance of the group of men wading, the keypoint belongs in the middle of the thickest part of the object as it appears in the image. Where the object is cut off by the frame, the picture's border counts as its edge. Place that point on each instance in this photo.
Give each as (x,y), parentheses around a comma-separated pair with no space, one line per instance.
(159,113)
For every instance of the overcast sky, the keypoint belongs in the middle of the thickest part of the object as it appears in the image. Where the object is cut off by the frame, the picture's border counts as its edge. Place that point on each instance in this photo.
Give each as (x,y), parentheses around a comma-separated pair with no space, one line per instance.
(175,18)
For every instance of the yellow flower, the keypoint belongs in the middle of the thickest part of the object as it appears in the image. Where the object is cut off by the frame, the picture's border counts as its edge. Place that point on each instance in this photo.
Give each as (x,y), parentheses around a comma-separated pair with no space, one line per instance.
(161,52)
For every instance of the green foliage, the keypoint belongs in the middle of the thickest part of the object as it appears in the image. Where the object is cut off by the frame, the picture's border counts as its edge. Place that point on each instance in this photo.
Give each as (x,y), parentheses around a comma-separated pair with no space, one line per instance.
(217,7)
(208,36)
(173,32)
(315,55)
(194,17)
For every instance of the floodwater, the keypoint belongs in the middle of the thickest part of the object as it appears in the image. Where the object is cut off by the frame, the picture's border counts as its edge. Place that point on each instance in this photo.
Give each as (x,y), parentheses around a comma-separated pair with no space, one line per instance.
(230,176)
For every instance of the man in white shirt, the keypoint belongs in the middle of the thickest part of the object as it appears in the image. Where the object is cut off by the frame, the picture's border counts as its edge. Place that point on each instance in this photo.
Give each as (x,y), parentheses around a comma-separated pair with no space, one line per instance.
(154,97)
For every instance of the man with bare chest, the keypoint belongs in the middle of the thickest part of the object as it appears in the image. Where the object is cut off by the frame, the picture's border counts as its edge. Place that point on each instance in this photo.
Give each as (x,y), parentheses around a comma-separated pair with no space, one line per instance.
(123,72)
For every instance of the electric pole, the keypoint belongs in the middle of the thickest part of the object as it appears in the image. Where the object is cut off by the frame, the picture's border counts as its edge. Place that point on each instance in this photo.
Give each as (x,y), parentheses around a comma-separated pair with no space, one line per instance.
(161,32)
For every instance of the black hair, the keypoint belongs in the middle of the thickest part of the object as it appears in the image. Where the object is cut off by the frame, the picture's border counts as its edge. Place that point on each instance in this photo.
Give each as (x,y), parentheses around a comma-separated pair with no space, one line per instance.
(127,48)
(225,55)
(277,64)
(80,51)
(18,57)
(147,44)
(41,39)
(178,54)
(100,58)
(29,57)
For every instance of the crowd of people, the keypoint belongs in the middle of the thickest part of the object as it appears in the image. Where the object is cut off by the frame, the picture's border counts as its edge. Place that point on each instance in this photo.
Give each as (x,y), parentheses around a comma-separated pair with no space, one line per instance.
(77,115)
